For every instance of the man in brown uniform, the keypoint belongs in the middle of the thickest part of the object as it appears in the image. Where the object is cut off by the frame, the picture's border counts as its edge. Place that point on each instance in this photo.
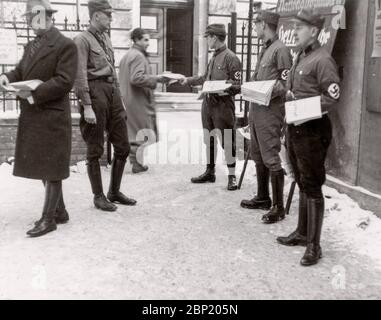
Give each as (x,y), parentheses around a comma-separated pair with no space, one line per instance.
(266,122)
(101,106)
(314,73)
(218,111)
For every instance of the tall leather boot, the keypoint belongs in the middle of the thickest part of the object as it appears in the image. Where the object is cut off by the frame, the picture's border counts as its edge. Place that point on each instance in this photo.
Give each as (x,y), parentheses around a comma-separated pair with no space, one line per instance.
(114,194)
(100,200)
(262,200)
(61,216)
(277,213)
(315,216)
(209,176)
(53,191)
(299,236)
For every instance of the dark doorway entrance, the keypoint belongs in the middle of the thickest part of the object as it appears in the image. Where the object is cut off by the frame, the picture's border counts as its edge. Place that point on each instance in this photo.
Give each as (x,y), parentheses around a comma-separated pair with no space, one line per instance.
(179,45)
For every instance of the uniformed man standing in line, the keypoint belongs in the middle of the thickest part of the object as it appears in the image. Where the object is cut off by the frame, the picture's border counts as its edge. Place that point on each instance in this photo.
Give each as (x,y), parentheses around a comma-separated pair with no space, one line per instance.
(266,122)
(218,111)
(314,73)
(101,106)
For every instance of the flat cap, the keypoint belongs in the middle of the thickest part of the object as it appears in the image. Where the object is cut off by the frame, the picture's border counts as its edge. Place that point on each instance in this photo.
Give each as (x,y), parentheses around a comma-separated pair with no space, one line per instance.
(309,17)
(268,17)
(216,30)
(99,5)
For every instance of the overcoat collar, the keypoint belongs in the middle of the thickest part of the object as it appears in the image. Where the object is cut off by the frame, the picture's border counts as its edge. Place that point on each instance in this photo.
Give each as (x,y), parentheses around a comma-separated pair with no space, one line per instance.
(51,38)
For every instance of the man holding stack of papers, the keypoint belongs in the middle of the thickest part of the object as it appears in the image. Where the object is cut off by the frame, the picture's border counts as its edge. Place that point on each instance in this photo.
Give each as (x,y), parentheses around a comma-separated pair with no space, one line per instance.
(266,118)
(315,85)
(221,83)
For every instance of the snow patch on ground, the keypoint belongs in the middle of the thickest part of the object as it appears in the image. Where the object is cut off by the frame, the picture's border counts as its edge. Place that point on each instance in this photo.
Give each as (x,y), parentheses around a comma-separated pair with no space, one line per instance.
(350,224)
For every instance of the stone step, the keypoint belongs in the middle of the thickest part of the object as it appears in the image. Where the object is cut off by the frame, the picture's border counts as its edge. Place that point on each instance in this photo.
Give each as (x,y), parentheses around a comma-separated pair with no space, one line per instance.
(173,101)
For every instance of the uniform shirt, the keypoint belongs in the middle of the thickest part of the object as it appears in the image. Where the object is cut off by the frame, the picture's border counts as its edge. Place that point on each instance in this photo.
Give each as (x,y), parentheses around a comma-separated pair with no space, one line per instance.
(224,65)
(314,73)
(95,60)
(274,63)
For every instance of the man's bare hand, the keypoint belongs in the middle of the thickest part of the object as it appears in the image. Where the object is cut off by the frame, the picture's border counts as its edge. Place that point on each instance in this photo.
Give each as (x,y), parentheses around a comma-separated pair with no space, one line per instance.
(4,81)
(183,81)
(24,94)
(89,115)
(290,96)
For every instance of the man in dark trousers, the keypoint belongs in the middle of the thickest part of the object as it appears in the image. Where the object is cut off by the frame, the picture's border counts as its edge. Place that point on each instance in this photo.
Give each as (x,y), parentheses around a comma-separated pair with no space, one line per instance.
(314,73)
(43,144)
(266,122)
(101,106)
(218,111)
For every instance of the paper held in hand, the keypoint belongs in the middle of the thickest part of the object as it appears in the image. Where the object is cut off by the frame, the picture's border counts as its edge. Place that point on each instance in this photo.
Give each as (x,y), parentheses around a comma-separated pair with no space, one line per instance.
(29,85)
(259,92)
(303,110)
(172,77)
(214,87)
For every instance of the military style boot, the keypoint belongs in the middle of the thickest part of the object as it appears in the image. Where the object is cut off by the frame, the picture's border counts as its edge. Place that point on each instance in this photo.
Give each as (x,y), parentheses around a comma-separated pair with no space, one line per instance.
(277,212)
(208,176)
(114,194)
(315,216)
(262,200)
(47,223)
(299,236)
(61,216)
(100,200)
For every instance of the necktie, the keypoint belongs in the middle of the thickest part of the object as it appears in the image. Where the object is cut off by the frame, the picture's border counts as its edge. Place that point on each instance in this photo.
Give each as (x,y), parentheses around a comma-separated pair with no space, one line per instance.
(36,44)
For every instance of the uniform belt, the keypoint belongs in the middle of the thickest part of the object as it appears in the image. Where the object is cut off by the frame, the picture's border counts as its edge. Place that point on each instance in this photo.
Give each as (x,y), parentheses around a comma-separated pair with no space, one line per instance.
(109,79)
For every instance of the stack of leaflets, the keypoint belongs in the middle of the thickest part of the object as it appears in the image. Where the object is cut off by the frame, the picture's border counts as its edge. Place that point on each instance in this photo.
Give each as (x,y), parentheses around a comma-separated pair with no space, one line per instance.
(29,85)
(214,87)
(259,92)
(303,110)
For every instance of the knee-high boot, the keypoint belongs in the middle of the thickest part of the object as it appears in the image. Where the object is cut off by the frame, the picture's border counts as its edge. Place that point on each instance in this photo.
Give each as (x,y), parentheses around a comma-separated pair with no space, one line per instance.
(299,236)
(114,194)
(100,200)
(53,191)
(315,216)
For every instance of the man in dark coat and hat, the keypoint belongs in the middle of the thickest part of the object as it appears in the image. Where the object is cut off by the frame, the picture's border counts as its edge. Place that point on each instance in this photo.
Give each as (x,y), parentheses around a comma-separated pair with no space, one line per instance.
(43,144)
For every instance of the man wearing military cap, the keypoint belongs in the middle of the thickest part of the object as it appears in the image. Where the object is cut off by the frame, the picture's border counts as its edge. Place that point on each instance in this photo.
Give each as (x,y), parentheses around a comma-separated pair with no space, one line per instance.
(218,111)
(101,106)
(314,73)
(266,122)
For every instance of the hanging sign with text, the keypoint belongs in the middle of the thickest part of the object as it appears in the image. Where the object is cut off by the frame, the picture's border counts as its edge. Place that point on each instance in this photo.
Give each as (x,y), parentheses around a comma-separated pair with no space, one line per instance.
(332,10)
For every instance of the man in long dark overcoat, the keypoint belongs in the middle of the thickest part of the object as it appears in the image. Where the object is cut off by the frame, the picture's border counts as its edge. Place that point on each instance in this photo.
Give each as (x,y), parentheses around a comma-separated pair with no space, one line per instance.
(43,144)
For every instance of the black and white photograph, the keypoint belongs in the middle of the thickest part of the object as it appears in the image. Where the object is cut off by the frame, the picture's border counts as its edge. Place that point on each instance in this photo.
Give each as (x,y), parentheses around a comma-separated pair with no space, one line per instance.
(190,155)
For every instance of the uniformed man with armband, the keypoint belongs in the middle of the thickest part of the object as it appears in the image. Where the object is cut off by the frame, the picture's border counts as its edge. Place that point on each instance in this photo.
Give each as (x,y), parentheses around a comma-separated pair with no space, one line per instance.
(314,73)
(266,122)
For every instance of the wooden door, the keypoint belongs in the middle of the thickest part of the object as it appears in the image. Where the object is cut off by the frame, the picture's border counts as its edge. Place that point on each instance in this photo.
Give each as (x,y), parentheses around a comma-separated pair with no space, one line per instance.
(179,45)
(152,20)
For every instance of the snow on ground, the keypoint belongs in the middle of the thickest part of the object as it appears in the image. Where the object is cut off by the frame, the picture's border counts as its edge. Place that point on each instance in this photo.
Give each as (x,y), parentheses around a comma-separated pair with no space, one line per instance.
(181,241)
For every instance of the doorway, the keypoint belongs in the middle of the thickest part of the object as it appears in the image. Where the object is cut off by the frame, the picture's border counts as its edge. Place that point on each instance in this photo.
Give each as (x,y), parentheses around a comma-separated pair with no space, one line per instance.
(171,47)
(179,52)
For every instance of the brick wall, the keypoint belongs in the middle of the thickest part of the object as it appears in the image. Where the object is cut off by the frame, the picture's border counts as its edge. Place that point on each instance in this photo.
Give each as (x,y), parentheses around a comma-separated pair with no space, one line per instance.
(8,131)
